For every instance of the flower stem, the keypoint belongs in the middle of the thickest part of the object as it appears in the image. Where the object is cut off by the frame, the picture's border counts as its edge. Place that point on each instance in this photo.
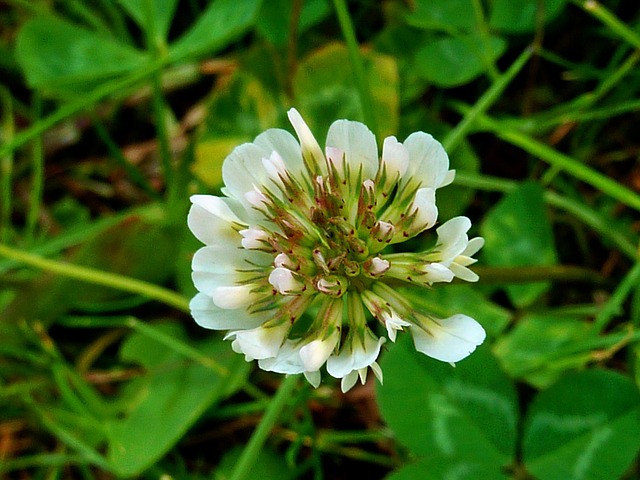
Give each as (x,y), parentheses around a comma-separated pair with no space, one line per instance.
(610,20)
(561,161)
(356,61)
(99,277)
(6,163)
(614,304)
(256,442)
(37,172)
(453,138)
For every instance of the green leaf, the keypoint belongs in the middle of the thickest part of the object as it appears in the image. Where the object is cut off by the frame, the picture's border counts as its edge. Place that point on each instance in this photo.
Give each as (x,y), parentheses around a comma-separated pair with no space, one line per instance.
(220,24)
(453,61)
(468,413)
(584,427)
(168,399)
(442,14)
(452,299)
(441,467)
(520,17)
(325,89)
(517,232)
(524,351)
(61,58)
(163,11)
(277,13)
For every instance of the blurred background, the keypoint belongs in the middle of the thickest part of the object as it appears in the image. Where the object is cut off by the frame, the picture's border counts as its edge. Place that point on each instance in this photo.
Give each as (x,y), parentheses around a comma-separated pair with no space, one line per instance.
(113,112)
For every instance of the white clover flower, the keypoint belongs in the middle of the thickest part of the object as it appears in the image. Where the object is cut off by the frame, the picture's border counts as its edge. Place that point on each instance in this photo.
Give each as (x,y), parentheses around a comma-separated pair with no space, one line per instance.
(300,230)
(452,253)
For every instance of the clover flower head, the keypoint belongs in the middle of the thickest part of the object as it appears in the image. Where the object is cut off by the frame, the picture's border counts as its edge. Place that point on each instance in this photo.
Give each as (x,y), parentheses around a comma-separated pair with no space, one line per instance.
(302,251)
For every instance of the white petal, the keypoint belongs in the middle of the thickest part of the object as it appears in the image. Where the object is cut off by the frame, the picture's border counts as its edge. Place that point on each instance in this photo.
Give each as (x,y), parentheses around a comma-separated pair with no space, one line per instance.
(395,157)
(209,315)
(243,170)
(436,272)
(217,206)
(313,378)
(284,261)
(377,372)
(256,198)
(355,355)
(450,339)
(287,360)
(236,296)
(253,238)
(379,266)
(209,228)
(473,246)
(284,281)
(463,273)
(308,142)
(275,167)
(452,238)
(428,162)
(425,205)
(261,342)
(223,259)
(393,323)
(348,381)
(358,144)
(448,178)
(314,354)
(335,156)
(288,148)
(222,266)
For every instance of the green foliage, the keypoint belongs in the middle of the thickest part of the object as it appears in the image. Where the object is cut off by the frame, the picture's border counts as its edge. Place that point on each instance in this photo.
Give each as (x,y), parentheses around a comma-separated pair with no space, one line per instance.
(518,233)
(64,59)
(325,89)
(114,112)
(507,17)
(466,415)
(453,61)
(585,426)
(526,349)
(162,405)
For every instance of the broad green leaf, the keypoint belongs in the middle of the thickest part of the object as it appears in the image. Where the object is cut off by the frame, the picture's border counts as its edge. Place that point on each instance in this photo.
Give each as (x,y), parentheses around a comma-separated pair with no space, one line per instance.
(220,24)
(163,11)
(442,14)
(441,467)
(325,89)
(445,301)
(454,61)
(468,413)
(61,58)
(584,427)
(524,351)
(521,16)
(169,398)
(518,233)
(277,13)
